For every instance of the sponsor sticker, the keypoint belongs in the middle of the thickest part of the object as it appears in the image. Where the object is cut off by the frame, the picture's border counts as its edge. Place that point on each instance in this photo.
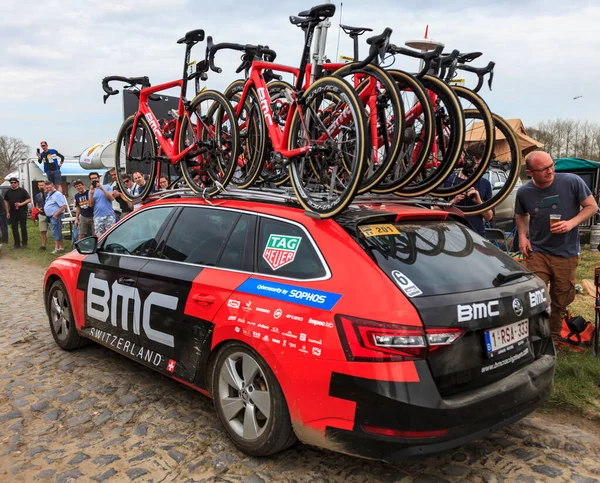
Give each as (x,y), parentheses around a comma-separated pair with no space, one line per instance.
(235,304)
(264,311)
(405,284)
(277,313)
(378,230)
(171,365)
(316,351)
(290,293)
(281,250)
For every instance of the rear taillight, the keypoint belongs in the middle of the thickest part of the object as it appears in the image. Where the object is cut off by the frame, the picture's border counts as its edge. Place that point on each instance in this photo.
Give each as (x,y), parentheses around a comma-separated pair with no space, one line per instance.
(398,433)
(369,340)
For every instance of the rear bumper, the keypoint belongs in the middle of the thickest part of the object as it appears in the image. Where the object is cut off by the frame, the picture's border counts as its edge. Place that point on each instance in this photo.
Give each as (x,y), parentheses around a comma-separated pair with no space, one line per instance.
(418,407)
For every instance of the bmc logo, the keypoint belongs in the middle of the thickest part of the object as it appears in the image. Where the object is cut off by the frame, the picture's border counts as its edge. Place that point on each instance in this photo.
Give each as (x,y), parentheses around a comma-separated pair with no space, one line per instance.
(264,105)
(536,298)
(477,311)
(101,307)
(153,124)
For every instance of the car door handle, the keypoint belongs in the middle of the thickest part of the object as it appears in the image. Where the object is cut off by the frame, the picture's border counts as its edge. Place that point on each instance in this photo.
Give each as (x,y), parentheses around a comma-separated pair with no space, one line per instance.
(127,281)
(203,299)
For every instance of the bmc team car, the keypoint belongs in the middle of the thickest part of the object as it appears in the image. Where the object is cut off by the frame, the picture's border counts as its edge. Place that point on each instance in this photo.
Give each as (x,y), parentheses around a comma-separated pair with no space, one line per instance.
(388,331)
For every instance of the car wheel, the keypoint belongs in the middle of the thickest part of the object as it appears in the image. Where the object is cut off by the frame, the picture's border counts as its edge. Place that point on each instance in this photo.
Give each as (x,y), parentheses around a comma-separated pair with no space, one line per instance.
(250,402)
(62,322)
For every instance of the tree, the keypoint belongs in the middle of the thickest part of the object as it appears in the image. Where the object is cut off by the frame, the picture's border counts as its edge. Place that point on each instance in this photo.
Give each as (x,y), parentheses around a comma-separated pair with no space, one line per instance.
(568,138)
(12,150)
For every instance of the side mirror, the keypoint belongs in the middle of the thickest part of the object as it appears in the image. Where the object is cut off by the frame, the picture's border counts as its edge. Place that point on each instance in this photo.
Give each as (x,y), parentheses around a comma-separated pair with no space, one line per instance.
(87,246)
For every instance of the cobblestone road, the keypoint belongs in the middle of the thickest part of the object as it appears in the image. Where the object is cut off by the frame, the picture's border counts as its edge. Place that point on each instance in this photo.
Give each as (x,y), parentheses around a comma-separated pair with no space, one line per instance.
(92,415)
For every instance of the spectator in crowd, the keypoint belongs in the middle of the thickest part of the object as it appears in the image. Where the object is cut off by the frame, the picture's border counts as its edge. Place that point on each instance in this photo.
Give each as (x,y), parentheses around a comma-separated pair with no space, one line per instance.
(15,201)
(3,224)
(49,158)
(39,200)
(548,209)
(101,199)
(140,182)
(478,193)
(84,213)
(54,206)
(121,206)
(163,182)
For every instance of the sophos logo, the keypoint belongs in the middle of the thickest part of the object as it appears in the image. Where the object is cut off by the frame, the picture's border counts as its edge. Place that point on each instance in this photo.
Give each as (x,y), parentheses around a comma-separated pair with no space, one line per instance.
(264,105)
(102,304)
(153,124)
(312,297)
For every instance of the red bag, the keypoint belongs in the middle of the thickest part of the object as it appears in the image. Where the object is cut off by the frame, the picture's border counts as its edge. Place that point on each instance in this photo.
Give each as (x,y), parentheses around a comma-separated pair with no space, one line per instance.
(576,331)
(34,213)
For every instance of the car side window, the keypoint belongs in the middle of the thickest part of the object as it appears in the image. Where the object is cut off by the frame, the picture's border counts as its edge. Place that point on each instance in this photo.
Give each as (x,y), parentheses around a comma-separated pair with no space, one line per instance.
(137,234)
(237,255)
(199,235)
(285,250)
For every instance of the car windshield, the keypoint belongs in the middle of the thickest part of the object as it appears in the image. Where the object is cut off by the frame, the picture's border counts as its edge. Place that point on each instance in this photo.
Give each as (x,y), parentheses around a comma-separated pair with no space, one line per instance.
(436,257)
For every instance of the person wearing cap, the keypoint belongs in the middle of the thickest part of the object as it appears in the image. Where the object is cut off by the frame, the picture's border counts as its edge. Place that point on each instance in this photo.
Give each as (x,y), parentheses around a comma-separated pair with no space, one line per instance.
(54,206)
(15,201)
(49,158)
(42,219)
(84,213)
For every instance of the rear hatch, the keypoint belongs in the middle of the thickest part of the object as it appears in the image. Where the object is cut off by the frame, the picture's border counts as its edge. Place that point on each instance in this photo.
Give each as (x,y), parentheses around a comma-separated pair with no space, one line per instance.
(456,279)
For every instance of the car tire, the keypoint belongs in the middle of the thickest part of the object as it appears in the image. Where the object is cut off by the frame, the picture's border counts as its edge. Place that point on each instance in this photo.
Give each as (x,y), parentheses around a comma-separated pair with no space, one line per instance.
(62,321)
(260,398)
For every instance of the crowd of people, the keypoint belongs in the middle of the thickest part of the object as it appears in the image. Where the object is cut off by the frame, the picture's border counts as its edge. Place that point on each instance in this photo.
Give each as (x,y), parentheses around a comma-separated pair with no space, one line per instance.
(97,206)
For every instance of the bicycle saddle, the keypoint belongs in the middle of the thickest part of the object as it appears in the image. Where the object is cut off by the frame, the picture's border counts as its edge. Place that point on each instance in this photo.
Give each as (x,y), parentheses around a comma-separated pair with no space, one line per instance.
(319,12)
(301,22)
(464,58)
(354,30)
(192,37)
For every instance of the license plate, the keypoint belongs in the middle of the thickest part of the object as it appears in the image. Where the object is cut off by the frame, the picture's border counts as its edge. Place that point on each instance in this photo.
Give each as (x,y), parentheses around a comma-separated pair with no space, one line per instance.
(502,338)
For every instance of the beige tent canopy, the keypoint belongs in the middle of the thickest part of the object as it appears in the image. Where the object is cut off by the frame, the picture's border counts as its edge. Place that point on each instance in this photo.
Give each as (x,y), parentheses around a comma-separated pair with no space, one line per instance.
(501,151)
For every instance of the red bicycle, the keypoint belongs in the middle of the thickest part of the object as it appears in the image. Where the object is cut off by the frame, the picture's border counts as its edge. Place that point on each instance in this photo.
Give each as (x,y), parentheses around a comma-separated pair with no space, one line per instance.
(323,141)
(203,142)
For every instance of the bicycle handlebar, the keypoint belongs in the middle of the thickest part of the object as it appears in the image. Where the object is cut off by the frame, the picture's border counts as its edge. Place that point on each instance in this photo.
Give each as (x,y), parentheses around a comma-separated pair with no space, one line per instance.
(481,73)
(132,81)
(252,51)
(379,44)
(426,57)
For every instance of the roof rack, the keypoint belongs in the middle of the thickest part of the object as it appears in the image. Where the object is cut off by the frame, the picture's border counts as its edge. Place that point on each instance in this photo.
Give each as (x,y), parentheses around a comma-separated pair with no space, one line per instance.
(287,195)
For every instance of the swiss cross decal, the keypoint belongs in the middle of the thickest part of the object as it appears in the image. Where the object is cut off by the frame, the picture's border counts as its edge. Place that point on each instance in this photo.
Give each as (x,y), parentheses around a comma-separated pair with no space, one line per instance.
(171,365)
(281,250)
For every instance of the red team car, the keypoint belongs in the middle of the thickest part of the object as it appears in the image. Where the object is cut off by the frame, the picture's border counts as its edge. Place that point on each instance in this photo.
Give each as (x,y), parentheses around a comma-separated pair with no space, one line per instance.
(386,332)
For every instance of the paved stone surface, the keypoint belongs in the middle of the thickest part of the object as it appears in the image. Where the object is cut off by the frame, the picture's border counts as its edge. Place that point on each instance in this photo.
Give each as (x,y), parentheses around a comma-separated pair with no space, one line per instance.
(93,415)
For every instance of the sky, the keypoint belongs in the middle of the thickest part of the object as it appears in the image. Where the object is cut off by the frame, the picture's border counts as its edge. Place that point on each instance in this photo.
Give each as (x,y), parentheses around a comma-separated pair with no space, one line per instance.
(54,53)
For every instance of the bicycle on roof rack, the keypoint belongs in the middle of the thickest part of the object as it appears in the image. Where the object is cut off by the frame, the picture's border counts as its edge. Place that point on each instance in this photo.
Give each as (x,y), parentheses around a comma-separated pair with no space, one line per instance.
(204,141)
(323,143)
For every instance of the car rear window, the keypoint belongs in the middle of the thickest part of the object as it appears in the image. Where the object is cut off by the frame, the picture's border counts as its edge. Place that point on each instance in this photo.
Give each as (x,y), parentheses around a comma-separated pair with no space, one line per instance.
(435,257)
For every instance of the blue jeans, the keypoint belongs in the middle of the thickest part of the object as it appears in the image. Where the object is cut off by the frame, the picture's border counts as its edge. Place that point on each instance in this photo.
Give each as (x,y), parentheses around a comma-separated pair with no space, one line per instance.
(3,229)
(56,226)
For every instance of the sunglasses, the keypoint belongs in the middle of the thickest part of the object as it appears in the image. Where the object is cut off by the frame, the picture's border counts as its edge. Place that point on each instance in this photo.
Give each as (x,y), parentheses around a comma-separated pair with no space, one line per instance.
(14,182)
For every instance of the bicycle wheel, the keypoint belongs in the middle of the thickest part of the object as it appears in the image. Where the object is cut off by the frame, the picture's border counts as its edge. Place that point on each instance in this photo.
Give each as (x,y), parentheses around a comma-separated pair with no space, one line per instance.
(418,133)
(329,118)
(380,98)
(210,123)
(252,131)
(135,150)
(478,147)
(511,158)
(449,138)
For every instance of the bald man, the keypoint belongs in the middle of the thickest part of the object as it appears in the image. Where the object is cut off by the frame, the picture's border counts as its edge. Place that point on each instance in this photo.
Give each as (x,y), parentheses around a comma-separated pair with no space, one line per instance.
(549,208)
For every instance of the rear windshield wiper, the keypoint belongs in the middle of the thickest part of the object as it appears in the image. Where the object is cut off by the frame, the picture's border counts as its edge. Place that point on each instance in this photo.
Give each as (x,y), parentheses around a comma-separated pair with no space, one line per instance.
(502,278)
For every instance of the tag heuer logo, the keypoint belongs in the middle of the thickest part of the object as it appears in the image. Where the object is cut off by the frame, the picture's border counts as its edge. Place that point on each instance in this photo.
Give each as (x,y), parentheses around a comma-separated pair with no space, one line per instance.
(281,250)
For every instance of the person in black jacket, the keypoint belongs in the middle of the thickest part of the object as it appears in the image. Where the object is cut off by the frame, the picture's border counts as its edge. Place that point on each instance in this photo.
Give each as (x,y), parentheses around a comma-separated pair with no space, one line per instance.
(15,201)
(3,225)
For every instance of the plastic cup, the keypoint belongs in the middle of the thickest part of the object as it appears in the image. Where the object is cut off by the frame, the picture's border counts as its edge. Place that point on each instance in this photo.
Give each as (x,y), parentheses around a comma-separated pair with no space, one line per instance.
(554,218)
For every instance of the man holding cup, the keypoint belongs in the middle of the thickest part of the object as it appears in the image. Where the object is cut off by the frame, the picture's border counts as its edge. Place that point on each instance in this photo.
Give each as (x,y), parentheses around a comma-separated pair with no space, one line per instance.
(548,209)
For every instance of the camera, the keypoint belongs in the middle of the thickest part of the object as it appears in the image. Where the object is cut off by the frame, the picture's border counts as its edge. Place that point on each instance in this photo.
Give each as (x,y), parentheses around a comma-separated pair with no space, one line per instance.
(468,166)
(95,183)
